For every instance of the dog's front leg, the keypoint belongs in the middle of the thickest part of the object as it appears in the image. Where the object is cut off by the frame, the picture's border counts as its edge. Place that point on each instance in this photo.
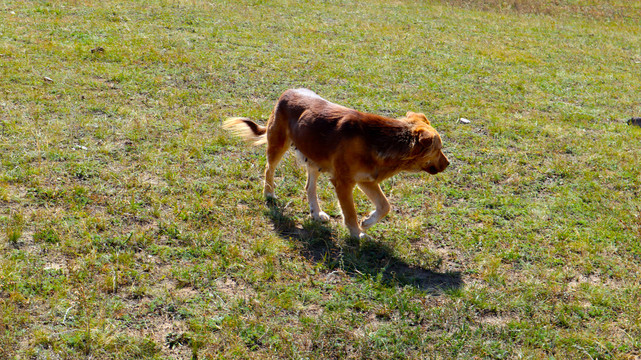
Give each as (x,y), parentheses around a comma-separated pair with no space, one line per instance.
(344,191)
(312,197)
(375,194)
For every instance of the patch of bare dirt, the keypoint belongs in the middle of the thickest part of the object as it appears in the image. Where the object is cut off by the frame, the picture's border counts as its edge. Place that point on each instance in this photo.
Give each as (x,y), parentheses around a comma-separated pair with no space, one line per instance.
(234,289)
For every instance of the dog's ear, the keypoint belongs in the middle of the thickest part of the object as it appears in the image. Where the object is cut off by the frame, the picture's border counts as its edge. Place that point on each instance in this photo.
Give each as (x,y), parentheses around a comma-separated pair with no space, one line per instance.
(425,138)
(428,139)
(420,116)
(423,117)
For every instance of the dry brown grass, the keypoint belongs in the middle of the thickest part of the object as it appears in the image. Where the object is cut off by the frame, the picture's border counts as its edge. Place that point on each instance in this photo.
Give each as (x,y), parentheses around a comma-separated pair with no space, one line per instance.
(612,10)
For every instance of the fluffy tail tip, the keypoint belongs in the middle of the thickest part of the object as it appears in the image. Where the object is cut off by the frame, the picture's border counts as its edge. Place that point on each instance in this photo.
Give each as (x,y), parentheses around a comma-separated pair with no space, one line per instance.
(246,129)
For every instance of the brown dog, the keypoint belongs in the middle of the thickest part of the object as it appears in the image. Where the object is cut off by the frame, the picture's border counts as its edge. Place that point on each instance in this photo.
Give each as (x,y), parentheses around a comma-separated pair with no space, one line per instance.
(355,148)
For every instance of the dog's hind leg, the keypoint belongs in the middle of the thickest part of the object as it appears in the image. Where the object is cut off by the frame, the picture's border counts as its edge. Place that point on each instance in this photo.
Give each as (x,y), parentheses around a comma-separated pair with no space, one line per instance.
(375,194)
(274,154)
(277,144)
(312,197)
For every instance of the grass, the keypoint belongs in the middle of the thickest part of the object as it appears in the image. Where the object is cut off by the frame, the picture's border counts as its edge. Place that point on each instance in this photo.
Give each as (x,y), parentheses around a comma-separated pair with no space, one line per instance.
(133,226)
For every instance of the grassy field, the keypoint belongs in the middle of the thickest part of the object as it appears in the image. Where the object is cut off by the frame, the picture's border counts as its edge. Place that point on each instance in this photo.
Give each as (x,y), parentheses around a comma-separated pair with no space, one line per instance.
(133,226)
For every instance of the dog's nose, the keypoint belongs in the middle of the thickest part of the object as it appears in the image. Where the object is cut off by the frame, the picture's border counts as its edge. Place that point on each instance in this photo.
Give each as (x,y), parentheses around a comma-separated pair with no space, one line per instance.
(445,161)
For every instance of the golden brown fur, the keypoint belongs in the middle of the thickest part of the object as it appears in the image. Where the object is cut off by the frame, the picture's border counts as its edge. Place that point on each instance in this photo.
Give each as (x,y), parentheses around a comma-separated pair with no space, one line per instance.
(355,148)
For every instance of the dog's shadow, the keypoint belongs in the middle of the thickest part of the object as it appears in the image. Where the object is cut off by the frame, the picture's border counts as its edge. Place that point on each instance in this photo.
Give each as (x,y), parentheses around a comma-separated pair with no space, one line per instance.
(370,258)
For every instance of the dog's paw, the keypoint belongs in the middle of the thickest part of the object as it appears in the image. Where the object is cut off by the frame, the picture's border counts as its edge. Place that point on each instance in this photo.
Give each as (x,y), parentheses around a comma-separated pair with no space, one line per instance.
(271,201)
(367,223)
(321,216)
(359,235)
(372,219)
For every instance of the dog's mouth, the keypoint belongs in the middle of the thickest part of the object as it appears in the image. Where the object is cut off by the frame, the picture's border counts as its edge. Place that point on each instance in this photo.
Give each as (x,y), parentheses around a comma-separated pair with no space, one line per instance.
(432,170)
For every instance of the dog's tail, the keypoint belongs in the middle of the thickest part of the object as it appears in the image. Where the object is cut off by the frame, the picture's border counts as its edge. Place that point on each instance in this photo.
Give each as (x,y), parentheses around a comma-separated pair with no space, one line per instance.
(246,129)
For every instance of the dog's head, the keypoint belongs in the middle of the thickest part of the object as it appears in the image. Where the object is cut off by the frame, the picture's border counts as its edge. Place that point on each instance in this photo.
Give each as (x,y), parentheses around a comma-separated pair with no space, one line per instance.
(428,146)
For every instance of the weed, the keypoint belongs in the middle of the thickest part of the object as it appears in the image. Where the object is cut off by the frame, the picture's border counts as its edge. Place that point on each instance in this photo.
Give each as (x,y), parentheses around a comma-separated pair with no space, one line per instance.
(14,228)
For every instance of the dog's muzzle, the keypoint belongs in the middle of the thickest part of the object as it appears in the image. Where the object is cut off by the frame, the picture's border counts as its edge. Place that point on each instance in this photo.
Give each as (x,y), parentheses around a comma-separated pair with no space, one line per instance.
(434,169)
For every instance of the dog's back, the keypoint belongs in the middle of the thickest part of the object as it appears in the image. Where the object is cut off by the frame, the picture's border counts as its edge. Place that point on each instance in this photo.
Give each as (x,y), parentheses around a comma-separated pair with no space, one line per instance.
(318,127)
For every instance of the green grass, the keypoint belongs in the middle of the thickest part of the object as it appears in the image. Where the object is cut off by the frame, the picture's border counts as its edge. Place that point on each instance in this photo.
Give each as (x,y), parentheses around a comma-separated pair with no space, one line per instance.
(133,226)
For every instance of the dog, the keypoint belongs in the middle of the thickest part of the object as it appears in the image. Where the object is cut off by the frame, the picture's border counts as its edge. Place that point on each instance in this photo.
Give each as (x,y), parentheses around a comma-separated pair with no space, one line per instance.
(353,147)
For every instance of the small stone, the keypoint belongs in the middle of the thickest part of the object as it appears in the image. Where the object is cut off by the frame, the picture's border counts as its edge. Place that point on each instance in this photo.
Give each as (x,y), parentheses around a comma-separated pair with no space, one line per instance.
(464,121)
